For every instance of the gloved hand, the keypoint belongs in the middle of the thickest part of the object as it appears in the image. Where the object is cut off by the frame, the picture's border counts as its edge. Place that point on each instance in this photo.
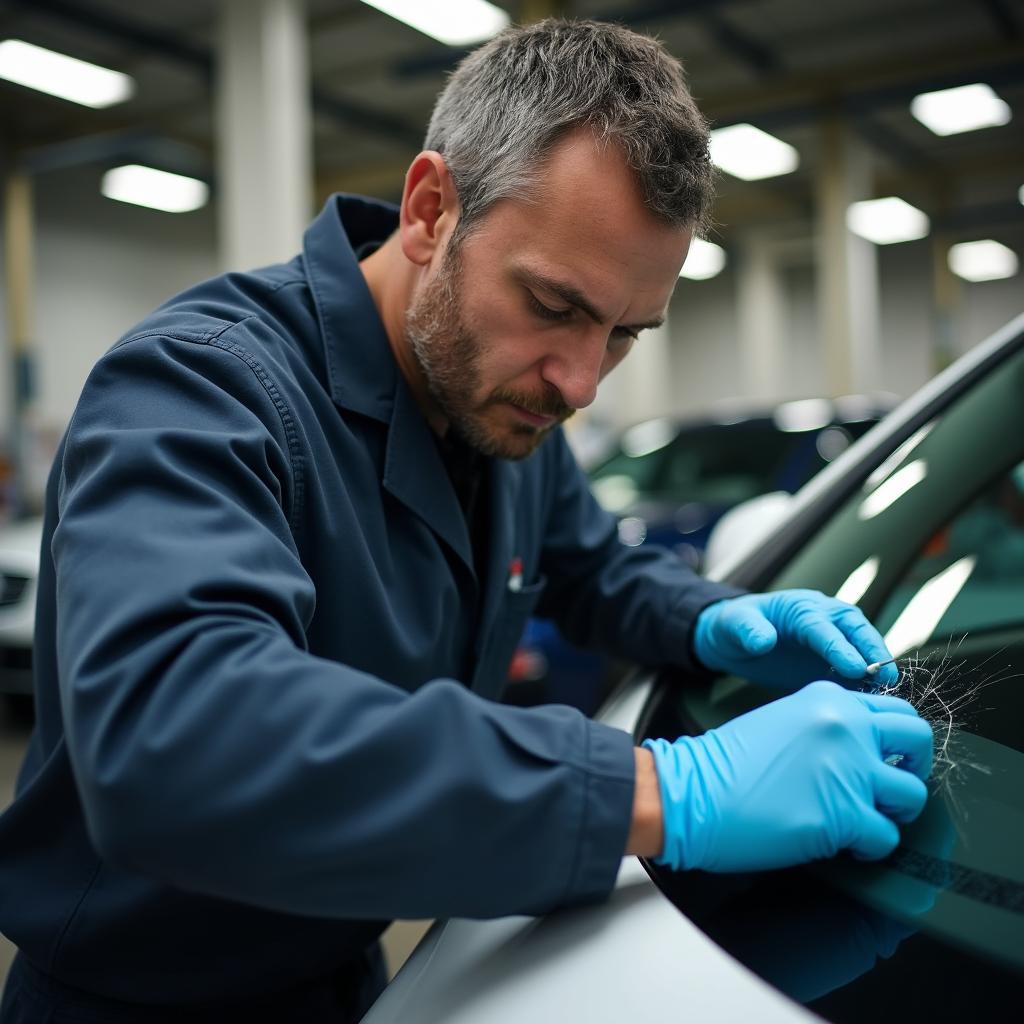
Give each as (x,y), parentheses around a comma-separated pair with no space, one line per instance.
(789,638)
(795,780)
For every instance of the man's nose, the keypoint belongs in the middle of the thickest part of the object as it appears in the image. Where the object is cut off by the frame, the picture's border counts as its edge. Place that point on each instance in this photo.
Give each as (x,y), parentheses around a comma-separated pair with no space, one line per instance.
(576,370)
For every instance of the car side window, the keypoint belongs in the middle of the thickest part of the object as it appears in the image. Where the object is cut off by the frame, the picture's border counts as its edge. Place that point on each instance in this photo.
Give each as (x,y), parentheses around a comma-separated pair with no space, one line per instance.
(968,577)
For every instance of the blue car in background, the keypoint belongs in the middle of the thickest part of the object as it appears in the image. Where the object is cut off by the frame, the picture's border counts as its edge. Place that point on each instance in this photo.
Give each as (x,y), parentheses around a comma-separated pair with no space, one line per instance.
(669,481)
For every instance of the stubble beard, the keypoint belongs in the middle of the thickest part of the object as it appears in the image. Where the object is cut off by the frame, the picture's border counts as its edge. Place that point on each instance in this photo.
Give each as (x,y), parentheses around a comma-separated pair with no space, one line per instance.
(448,355)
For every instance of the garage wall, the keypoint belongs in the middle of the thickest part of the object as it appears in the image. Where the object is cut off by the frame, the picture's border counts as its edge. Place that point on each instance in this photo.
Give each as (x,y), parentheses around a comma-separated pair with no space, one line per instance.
(101,267)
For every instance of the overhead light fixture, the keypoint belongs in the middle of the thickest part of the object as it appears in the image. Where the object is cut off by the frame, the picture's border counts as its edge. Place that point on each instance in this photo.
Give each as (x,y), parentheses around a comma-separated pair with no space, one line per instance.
(747,152)
(963,109)
(159,190)
(60,75)
(455,22)
(884,221)
(704,260)
(984,260)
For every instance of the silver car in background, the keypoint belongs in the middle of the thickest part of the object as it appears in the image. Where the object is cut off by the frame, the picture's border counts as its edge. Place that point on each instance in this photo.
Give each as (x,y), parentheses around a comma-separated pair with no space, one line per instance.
(19,569)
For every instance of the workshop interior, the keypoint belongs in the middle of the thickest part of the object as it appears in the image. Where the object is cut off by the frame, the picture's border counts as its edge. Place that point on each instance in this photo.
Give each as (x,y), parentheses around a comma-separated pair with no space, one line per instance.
(864,250)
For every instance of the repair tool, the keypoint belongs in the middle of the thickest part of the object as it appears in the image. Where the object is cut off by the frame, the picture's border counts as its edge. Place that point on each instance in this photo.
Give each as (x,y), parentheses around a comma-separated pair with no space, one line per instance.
(876,665)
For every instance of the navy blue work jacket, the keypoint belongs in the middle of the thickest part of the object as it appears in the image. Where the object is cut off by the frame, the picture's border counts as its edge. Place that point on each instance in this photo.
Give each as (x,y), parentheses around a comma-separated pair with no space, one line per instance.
(256,600)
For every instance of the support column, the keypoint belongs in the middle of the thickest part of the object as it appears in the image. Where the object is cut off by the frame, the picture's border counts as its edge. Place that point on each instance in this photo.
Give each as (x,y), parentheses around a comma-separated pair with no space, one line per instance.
(264,130)
(761,305)
(847,281)
(19,273)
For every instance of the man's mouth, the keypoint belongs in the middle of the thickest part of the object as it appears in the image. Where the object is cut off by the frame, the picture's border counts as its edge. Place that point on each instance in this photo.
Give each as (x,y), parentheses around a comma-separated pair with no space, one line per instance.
(534,420)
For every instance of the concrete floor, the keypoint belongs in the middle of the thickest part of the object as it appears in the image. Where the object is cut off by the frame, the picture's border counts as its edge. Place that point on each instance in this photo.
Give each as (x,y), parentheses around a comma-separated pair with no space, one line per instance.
(15,726)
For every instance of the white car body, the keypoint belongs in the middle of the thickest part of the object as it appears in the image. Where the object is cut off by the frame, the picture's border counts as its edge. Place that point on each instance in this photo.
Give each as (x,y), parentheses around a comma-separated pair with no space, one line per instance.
(19,571)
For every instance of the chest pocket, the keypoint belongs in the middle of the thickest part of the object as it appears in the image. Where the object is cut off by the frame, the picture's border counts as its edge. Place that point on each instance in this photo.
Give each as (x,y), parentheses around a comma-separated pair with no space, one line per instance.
(491,673)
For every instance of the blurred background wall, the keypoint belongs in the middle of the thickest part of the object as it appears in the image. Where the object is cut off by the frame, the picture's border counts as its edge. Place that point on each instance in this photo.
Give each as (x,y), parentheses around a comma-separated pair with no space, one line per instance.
(270,105)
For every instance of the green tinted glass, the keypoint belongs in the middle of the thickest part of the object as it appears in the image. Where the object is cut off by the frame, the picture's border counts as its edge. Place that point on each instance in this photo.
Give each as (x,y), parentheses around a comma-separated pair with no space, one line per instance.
(932,548)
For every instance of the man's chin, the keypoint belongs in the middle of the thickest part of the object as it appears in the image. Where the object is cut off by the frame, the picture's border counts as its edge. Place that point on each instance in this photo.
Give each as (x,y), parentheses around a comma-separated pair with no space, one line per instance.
(507,442)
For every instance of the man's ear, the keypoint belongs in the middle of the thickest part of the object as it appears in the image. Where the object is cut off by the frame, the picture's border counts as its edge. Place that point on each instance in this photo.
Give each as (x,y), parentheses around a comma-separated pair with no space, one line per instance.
(430,208)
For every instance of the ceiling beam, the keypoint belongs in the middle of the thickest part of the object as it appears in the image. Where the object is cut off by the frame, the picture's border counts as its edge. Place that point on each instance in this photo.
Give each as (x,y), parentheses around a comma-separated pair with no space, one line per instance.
(102,22)
(749,50)
(860,88)
(201,59)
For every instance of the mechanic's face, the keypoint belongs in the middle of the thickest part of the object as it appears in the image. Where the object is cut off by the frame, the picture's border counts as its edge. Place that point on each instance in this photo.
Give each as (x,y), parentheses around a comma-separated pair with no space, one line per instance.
(520,321)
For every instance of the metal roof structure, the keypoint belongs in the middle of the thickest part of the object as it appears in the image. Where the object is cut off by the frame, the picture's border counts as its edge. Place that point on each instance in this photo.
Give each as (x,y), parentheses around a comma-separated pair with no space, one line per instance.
(787,66)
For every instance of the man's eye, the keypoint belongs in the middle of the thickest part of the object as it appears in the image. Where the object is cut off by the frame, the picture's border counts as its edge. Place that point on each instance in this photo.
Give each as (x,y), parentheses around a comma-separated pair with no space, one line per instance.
(623,335)
(620,339)
(546,312)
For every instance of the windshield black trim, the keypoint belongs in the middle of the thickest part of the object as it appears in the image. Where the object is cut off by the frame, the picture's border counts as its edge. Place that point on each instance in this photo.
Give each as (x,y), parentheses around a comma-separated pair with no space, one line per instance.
(980,886)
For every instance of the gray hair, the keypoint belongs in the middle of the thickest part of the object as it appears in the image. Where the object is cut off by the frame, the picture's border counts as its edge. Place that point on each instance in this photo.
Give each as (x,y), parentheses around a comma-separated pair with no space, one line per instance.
(509,102)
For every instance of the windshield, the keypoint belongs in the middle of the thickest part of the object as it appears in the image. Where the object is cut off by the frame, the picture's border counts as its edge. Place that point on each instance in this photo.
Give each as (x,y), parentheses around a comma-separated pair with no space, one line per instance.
(932,548)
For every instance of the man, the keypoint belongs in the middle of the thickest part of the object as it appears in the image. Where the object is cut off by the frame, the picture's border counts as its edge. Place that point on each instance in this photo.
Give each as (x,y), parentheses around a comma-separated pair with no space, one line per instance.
(292,536)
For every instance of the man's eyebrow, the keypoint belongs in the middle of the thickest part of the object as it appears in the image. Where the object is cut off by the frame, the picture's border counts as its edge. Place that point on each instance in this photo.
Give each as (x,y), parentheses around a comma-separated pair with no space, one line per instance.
(572,295)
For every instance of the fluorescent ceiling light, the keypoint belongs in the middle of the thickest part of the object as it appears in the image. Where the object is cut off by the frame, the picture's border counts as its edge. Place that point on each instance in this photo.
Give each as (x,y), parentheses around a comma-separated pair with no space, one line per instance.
(704,260)
(889,492)
(986,260)
(917,622)
(454,22)
(857,583)
(63,76)
(884,221)
(964,109)
(747,152)
(159,190)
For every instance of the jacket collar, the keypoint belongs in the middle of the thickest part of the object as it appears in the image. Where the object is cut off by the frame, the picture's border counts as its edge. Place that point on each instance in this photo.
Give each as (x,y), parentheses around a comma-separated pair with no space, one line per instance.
(362,373)
(361,368)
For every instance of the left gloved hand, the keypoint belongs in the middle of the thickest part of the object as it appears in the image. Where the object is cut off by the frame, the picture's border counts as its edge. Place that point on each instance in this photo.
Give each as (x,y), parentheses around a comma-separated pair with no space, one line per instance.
(789,638)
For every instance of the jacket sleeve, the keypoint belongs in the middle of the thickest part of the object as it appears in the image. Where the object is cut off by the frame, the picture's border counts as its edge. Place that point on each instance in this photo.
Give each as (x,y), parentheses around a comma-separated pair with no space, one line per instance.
(638,603)
(212,751)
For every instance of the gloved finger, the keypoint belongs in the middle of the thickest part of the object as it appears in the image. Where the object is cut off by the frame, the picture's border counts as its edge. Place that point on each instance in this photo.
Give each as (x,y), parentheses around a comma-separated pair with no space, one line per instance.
(878,837)
(899,794)
(826,639)
(886,702)
(748,628)
(908,735)
(867,641)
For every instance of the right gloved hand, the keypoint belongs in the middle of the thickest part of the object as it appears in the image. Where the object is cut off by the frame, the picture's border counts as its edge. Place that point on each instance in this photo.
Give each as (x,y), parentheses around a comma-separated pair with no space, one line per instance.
(795,780)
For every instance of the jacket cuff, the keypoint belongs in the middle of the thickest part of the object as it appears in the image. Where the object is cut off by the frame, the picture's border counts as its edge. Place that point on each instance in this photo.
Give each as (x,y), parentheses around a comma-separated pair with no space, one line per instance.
(609,784)
(683,620)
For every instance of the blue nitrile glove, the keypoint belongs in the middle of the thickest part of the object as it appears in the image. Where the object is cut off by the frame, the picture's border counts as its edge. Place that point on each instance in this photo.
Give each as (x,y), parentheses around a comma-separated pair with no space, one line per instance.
(789,638)
(795,780)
